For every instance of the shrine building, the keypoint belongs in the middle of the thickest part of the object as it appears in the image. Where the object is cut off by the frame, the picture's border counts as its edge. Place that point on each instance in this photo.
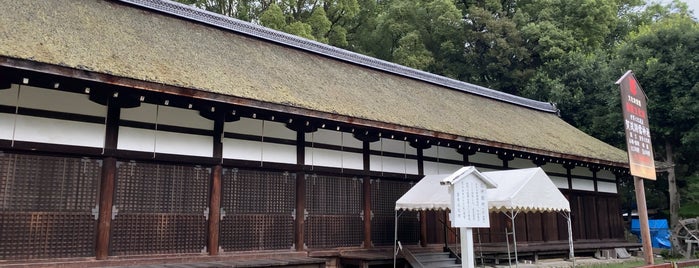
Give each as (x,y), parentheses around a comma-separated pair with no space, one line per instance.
(143,128)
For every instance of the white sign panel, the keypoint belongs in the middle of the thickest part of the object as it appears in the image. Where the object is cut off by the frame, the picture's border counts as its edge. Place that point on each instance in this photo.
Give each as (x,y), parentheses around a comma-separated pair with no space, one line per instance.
(469,204)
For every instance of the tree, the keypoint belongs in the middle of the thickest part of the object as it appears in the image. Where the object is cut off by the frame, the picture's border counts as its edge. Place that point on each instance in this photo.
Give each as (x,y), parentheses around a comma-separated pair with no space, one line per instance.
(494,50)
(664,57)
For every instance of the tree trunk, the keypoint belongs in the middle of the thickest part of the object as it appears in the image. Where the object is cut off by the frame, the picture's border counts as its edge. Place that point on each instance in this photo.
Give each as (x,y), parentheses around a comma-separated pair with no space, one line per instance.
(672,186)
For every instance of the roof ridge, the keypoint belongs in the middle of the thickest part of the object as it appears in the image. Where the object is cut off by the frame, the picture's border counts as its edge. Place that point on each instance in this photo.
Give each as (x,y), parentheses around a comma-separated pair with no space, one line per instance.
(247,28)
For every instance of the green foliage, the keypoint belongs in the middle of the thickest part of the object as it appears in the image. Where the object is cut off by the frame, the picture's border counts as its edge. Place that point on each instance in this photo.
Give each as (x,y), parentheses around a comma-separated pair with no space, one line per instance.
(495,45)
(664,57)
(320,24)
(273,18)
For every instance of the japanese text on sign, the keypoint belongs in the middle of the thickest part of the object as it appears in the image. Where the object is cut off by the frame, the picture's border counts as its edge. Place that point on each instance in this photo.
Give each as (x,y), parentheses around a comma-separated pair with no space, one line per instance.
(470,207)
(638,141)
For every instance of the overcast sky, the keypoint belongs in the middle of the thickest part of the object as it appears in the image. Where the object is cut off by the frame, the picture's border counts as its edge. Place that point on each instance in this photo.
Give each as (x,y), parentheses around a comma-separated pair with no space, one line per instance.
(693,5)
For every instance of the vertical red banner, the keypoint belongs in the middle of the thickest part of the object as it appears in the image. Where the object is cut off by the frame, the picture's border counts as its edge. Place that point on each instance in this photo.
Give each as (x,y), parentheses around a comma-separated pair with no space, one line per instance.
(637,128)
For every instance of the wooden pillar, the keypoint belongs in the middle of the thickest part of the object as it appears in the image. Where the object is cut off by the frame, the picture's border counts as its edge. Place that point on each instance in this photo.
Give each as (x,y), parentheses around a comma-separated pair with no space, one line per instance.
(215,187)
(367,212)
(423,214)
(107,183)
(569,174)
(214,209)
(300,191)
(594,176)
(105,207)
(366,188)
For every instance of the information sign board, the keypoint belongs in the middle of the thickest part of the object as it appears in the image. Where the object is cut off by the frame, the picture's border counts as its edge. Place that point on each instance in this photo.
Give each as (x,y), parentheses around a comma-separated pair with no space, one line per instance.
(638,143)
(470,205)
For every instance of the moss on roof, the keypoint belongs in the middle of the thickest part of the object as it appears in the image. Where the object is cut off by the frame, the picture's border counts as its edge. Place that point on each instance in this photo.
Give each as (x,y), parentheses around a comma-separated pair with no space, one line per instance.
(124,41)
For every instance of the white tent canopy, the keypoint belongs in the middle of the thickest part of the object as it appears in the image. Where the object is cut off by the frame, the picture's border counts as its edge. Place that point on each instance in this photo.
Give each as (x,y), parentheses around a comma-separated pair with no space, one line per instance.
(427,194)
(525,190)
(518,190)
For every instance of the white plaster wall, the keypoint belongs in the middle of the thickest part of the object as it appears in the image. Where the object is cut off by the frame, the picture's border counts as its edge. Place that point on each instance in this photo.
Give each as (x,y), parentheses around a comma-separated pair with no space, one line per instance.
(183,144)
(521,163)
(585,185)
(332,158)
(560,182)
(606,187)
(606,174)
(554,167)
(442,152)
(136,139)
(352,161)
(485,158)
(60,101)
(581,171)
(278,130)
(46,130)
(256,127)
(258,151)
(7,125)
(411,166)
(393,146)
(247,126)
(333,137)
(393,164)
(325,136)
(242,149)
(323,157)
(279,153)
(432,168)
(174,116)
(350,141)
(376,163)
(482,169)
(144,113)
(9,96)
(433,151)
(147,140)
(445,168)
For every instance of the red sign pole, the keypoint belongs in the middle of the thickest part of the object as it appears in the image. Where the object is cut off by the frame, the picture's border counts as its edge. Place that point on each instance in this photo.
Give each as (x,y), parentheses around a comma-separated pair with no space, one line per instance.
(640,150)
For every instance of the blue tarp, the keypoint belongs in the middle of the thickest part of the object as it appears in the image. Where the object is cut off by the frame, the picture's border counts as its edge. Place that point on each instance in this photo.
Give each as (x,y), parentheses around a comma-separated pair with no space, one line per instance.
(659,232)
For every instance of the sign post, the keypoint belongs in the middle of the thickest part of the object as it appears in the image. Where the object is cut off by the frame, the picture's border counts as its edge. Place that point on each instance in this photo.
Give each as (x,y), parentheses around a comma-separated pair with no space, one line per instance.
(469,207)
(640,149)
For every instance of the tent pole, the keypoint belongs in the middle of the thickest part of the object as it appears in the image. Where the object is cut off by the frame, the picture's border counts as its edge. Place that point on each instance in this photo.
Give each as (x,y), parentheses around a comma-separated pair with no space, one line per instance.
(395,236)
(570,237)
(514,236)
(507,238)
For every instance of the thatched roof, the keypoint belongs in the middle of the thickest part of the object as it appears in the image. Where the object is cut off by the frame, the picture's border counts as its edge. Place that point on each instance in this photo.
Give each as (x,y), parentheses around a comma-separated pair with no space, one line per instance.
(126,41)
